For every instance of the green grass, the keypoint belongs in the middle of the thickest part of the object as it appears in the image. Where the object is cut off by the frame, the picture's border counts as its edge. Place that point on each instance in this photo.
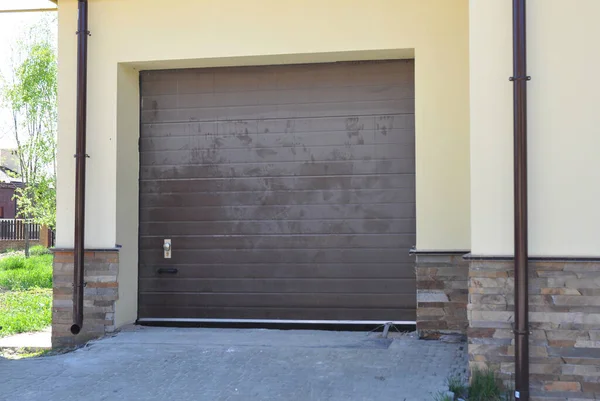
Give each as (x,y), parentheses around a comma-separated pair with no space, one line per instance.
(457,386)
(23,311)
(485,386)
(18,273)
(441,396)
(25,293)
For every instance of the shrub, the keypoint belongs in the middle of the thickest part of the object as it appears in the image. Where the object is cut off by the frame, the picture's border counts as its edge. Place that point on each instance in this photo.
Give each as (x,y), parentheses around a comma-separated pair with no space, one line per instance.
(39,250)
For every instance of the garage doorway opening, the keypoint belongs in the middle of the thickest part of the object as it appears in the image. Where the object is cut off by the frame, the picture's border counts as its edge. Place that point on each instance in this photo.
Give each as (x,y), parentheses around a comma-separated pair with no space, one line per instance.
(286,193)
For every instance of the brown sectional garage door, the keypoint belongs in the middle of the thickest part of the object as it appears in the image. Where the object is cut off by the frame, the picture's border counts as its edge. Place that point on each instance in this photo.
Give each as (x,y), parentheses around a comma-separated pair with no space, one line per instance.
(288,192)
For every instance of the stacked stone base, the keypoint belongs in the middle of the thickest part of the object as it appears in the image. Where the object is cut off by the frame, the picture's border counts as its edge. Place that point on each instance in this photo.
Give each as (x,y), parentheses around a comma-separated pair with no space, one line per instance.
(441,294)
(564,305)
(100,294)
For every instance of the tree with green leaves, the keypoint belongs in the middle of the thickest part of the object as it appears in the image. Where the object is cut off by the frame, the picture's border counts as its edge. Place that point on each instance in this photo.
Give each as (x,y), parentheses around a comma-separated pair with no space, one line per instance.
(30,95)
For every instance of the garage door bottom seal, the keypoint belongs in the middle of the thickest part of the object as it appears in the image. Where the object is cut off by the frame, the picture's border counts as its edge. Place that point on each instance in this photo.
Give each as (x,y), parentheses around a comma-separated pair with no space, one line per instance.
(274,321)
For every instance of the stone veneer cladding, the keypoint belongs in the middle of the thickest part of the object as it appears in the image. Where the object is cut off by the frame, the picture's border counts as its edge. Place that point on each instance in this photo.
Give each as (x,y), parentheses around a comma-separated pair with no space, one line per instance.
(100,294)
(564,313)
(442,292)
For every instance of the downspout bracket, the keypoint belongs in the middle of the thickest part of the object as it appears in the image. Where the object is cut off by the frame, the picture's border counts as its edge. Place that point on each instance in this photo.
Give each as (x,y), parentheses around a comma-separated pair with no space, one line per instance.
(527,78)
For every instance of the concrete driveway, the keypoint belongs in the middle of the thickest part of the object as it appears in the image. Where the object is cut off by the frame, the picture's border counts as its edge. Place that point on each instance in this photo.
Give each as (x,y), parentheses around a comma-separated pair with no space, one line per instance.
(230,364)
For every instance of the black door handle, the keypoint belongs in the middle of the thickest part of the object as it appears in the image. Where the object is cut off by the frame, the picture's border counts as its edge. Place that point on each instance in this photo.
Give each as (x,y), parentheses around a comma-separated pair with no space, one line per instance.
(167,270)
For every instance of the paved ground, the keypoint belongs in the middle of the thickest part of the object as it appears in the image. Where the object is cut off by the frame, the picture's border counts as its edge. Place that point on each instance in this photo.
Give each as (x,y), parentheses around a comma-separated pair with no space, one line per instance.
(241,365)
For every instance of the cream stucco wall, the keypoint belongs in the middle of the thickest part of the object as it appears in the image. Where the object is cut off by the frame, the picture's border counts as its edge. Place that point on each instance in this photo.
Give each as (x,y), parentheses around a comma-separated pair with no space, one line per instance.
(129,35)
(564,127)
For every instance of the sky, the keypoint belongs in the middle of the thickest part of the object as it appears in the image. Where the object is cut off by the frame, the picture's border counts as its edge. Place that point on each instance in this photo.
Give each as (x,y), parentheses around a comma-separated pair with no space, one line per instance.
(12,26)
(25,4)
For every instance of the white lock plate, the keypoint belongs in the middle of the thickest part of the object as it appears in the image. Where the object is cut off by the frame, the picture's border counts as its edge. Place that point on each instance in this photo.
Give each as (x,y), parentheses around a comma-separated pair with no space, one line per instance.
(167,249)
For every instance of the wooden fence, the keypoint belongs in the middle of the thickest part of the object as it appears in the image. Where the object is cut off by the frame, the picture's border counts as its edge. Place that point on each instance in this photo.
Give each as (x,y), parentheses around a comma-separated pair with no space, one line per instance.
(15,230)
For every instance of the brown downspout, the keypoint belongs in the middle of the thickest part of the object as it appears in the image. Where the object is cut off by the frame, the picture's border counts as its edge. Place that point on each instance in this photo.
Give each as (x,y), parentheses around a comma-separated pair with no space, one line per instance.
(519,80)
(80,156)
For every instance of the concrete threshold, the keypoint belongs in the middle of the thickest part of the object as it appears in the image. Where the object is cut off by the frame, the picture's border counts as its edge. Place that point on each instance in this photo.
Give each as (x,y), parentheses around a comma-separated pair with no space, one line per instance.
(37,341)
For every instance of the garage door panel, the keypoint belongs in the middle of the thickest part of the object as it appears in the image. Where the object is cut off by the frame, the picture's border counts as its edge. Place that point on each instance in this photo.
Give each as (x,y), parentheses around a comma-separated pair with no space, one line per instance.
(276,313)
(292,300)
(278,140)
(279,212)
(159,87)
(196,76)
(168,229)
(348,183)
(331,124)
(278,97)
(176,115)
(291,169)
(166,130)
(296,77)
(301,142)
(355,271)
(276,286)
(200,82)
(346,108)
(266,126)
(280,111)
(251,79)
(202,256)
(288,192)
(301,197)
(213,155)
(276,77)
(166,101)
(259,255)
(384,181)
(288,242)
(234,149)
(330,77)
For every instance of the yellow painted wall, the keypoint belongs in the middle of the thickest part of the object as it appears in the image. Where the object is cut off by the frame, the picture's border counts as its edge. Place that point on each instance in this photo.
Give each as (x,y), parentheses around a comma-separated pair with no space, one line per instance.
(564,127)
(491,127)
(127,193)
(129,35)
